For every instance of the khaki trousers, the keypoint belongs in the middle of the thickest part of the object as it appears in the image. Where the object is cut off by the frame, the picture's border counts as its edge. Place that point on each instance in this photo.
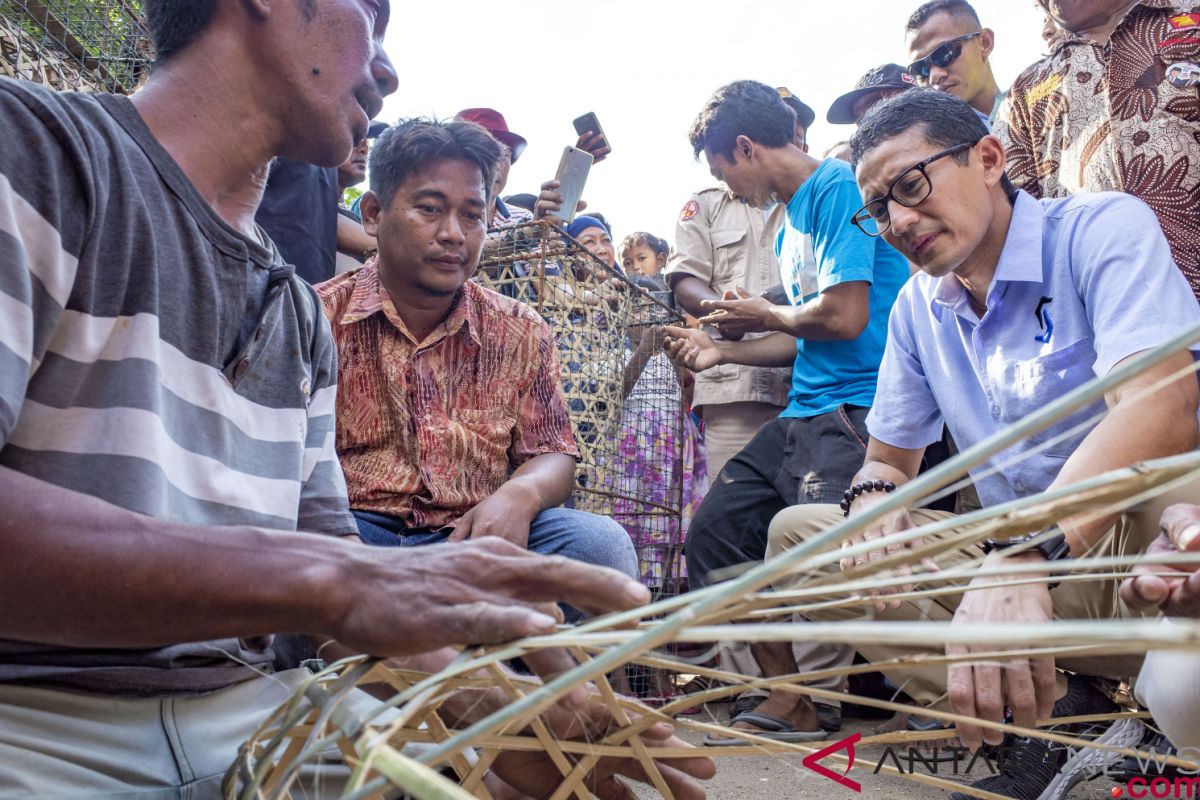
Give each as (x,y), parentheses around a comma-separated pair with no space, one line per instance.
(1078,600)
(58,744)
(728,427)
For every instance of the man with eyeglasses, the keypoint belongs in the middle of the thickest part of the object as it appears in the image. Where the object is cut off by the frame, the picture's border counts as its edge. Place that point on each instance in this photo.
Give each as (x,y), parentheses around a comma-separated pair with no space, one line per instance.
(1109,110)
(949,48)
(1018,302)
(832,334)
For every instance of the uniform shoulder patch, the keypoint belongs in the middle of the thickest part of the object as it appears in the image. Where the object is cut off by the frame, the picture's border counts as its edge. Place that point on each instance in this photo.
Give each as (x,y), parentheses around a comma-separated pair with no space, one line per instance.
(690,209)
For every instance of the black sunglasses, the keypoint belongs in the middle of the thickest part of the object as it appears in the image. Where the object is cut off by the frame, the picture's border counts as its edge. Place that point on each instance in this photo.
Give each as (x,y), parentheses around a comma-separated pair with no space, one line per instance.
(909,189)
(942,56)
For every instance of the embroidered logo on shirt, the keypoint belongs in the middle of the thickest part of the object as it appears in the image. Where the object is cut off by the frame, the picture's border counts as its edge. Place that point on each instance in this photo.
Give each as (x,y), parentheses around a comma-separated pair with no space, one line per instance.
(1043,89)
(1184,21)
(690,210)
(1044,322)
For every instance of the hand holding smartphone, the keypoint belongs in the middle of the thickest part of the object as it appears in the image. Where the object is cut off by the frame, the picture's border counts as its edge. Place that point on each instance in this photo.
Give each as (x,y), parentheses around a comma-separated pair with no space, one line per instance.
(597,143)
(571,176)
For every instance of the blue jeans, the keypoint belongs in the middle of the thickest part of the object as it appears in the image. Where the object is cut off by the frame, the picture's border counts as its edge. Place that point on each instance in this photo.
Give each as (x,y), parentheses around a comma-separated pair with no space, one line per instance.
(578,535)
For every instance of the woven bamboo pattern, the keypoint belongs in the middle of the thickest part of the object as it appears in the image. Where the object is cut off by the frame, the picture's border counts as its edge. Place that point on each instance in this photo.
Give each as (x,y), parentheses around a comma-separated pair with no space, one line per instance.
(383,755)
(624,396)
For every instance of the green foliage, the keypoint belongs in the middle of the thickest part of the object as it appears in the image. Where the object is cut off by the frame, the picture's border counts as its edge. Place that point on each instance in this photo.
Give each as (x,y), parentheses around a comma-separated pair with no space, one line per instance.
(103,40)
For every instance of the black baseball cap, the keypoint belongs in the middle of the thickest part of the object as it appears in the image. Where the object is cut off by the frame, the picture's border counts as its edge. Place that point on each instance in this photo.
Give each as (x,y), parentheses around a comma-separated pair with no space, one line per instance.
(888,76)
(804,114)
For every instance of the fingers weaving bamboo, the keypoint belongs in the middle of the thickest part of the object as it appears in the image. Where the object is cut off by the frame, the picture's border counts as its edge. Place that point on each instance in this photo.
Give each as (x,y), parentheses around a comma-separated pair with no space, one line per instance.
(711,614)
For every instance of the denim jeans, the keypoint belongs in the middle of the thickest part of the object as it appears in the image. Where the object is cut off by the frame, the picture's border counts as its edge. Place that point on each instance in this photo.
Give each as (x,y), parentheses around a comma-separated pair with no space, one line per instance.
(578,535)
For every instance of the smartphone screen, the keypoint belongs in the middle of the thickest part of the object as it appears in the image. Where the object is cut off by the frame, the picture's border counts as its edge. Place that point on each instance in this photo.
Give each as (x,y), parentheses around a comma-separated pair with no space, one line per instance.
(572,175)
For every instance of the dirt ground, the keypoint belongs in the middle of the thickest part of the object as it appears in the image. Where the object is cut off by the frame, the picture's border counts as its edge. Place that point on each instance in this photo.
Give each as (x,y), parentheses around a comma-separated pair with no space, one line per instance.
(785,778)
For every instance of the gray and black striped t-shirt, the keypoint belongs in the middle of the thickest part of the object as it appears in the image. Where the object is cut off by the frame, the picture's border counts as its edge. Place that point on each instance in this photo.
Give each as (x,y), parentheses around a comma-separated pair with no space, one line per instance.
(153,357)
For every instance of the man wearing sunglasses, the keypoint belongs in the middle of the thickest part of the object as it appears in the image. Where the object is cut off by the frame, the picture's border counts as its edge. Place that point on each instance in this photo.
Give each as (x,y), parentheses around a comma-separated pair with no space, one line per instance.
(949,48)
(1020,302)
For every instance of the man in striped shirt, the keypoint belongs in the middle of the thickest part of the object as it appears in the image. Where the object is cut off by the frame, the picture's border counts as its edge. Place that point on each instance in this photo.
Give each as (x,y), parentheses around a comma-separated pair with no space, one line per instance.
(167,391)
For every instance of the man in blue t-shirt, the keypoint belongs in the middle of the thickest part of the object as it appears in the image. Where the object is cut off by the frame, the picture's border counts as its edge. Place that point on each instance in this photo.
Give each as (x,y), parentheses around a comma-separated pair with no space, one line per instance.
(832,333)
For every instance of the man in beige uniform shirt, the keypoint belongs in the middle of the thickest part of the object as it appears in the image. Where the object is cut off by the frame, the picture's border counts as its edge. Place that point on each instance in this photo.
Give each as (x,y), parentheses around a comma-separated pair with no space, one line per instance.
(723,245)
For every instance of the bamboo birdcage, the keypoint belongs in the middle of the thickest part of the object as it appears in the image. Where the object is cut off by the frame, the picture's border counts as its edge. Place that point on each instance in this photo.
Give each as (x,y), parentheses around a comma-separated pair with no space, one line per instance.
(81,45)
(623,395)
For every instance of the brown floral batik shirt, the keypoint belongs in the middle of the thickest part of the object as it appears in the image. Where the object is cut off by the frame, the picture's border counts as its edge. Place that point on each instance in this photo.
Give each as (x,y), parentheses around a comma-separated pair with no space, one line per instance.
(1122,116)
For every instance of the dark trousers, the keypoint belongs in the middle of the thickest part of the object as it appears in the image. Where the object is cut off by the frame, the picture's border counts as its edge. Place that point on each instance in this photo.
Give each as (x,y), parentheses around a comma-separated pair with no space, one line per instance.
(788,462)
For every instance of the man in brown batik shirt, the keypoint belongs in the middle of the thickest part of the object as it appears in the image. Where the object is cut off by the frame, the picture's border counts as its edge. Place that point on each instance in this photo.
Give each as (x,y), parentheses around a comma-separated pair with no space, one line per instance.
(1111,109)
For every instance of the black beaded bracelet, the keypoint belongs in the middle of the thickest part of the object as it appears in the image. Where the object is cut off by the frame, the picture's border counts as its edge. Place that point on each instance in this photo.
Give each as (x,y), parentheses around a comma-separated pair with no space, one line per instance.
(866,486)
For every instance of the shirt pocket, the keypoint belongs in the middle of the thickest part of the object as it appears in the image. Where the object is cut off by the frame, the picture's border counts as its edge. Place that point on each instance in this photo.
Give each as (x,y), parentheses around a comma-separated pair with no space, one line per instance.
(484,436)
(730,258)
(1033,384)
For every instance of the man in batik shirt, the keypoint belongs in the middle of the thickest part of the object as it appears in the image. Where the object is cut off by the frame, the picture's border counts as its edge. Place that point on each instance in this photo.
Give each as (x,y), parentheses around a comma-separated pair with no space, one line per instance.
(1116,106)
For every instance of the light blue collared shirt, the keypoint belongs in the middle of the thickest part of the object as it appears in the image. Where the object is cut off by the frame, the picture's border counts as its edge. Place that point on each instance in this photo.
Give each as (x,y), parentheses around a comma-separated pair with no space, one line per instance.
(1082,283)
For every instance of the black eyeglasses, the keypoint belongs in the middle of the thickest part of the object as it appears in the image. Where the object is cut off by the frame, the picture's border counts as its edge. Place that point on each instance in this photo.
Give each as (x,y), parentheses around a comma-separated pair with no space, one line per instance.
(909,190)
(942,56)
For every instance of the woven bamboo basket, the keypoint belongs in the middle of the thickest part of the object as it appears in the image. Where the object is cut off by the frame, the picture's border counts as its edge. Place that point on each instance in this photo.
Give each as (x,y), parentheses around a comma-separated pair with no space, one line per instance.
(410,750)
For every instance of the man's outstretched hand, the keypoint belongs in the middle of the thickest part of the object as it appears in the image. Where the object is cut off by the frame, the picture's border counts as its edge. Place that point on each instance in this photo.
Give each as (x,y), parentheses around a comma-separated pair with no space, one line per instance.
(688,347)
(401,601)
(1173,589)
(739,313)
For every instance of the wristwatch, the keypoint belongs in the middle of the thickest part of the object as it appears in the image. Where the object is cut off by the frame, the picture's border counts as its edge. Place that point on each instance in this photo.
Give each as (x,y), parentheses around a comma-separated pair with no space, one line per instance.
(1052,548)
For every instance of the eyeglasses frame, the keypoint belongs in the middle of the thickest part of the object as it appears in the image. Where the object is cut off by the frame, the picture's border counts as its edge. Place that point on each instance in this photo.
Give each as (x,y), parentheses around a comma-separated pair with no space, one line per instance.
(914,68)
(862,215)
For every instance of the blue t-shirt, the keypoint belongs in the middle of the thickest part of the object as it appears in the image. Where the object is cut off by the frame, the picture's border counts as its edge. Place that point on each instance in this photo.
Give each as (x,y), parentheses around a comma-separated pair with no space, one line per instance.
(828,374)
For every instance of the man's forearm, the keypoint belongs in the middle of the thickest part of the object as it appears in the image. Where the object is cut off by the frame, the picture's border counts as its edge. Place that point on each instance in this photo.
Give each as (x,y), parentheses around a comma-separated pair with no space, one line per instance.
(1161,423)
(774,350)
(545,480)
(690,292)
(79,571)
(838,314)
(351,238)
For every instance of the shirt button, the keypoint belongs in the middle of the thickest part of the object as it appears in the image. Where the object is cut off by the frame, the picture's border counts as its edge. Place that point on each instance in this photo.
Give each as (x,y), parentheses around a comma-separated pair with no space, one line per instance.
(995,410)
(1020,487)
(241,369)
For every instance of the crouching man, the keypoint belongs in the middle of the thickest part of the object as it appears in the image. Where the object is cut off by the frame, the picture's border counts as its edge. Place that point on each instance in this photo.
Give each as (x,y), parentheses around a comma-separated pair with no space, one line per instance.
(1018,302)
(451,419)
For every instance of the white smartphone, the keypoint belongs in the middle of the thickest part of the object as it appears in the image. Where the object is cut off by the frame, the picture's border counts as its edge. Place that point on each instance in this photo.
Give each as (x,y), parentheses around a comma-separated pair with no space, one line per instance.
(572,175)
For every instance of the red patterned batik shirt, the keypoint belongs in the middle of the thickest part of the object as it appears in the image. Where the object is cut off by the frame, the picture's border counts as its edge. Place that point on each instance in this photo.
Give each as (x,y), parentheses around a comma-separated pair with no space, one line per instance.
(1122,116)
(427,430)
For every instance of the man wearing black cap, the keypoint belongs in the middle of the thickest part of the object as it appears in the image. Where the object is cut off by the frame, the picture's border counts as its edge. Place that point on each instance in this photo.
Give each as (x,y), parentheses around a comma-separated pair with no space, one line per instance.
(878,84)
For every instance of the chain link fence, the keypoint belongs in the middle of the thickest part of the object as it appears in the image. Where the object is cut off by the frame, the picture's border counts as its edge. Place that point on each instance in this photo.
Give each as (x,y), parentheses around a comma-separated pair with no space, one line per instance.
(81,45)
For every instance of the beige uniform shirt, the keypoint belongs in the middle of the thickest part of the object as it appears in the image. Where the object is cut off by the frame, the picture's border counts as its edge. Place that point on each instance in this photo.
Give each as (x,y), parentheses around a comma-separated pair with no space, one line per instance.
(727,243)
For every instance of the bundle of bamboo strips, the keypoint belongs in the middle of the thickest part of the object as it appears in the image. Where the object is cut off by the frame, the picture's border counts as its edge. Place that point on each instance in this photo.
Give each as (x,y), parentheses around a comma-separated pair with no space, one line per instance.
(403,742)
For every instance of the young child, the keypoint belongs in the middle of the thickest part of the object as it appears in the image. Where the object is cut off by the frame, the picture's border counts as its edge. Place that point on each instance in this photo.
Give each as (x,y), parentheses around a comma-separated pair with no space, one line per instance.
(644,254)
(661,453)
